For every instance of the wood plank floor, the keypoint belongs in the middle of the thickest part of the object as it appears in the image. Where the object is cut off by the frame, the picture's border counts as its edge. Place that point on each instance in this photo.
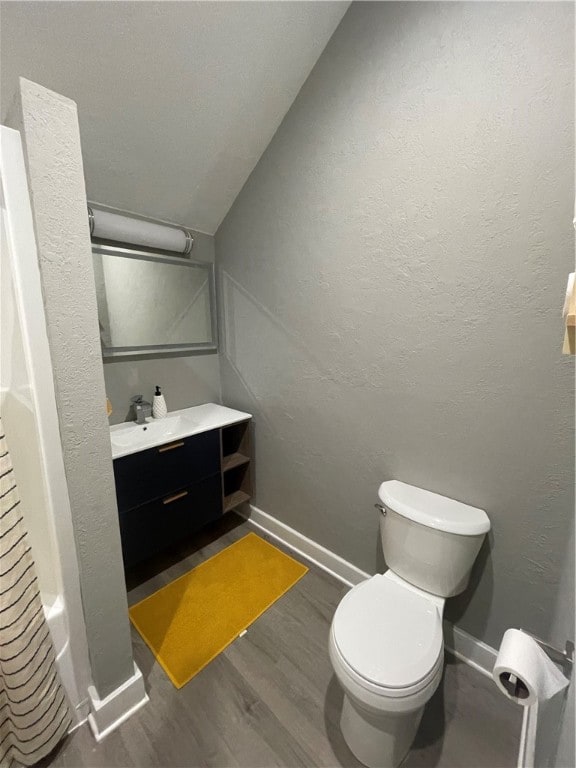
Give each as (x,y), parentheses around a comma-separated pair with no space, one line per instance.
(271,698)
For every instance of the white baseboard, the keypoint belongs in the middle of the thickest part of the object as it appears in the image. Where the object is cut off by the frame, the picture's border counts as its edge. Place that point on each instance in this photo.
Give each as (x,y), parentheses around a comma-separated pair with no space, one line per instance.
(470,650)
(330,562)
(462,645)
(75,726)
(107,714)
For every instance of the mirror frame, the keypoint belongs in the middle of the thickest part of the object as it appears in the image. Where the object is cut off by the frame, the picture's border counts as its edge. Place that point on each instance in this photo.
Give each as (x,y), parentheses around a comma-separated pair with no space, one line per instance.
(198,348)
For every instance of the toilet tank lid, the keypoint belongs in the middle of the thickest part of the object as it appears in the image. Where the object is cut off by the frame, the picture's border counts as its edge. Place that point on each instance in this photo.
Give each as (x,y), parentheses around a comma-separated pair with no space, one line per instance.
(433,510)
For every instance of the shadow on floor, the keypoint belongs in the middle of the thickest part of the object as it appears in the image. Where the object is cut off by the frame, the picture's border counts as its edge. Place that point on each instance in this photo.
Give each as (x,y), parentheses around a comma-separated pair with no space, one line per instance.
(147,570)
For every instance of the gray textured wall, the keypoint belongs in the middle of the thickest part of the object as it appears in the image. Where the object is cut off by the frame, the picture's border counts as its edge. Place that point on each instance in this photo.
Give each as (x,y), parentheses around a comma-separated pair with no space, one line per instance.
(185,380)
(392,277)
(49,126)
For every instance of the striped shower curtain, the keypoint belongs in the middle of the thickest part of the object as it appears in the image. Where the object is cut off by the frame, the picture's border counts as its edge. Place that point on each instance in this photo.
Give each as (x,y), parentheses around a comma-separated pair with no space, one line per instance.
(34,710)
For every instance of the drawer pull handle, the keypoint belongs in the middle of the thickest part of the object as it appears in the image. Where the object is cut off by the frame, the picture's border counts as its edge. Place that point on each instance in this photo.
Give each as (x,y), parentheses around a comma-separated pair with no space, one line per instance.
(170,499)
(171,446)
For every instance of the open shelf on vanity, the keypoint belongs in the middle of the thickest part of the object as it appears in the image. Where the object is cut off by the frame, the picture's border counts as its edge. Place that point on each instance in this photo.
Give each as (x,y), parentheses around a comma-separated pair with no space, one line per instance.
(234,499)
(234,460)
(236,467)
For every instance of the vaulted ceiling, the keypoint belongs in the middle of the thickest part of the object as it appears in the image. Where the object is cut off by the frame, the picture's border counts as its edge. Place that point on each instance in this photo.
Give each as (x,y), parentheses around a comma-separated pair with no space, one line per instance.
(177,100)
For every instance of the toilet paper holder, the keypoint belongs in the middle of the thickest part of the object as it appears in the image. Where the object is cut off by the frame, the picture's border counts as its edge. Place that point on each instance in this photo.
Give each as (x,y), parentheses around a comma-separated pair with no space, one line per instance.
(564,658)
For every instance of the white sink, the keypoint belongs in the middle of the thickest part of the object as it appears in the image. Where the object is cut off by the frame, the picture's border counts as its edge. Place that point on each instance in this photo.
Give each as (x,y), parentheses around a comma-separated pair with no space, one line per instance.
(130,437)
(134,435)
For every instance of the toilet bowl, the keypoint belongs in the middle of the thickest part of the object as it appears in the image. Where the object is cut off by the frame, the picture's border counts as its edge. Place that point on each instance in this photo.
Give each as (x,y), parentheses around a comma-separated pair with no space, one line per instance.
(387,650)
(386,643)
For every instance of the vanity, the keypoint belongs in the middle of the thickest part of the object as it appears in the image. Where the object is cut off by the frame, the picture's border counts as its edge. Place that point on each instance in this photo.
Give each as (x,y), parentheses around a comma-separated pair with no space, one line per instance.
(175,475)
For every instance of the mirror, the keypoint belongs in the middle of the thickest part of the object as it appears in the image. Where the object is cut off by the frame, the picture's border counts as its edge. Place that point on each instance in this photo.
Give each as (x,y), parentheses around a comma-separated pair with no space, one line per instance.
(150,303)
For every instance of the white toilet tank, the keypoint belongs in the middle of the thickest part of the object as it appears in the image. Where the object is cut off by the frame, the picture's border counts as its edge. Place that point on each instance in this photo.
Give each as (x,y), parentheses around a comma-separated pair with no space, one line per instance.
(429,540)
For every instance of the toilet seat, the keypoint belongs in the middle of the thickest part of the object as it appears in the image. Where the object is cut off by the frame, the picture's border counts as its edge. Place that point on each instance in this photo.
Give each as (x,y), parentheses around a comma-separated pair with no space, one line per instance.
(388,637)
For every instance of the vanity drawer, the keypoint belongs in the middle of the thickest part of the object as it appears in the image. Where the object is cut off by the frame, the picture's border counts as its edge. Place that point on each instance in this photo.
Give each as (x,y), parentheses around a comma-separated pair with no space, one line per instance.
(159,471)
(152,527)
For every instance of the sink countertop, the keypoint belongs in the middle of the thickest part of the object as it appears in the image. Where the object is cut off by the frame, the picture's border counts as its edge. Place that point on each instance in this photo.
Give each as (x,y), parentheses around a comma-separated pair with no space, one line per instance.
(129,437)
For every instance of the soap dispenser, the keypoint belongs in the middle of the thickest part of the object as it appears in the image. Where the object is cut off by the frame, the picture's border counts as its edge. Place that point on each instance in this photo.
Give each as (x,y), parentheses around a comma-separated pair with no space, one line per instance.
(159,409)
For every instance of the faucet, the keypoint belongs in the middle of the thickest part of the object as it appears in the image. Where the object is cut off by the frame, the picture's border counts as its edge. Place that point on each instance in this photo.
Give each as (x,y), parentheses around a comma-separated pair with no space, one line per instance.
(142,409)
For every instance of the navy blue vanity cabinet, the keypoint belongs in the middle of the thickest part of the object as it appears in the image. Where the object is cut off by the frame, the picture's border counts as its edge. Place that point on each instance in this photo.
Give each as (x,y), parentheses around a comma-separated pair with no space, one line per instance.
(168,492)
(160,471)
(153,527)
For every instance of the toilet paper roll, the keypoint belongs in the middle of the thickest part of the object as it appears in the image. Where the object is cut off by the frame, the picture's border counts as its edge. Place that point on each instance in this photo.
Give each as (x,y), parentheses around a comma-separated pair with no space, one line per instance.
(523,671)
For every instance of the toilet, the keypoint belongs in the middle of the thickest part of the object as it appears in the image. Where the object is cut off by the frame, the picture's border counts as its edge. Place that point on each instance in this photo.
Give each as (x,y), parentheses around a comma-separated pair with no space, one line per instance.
(386,643)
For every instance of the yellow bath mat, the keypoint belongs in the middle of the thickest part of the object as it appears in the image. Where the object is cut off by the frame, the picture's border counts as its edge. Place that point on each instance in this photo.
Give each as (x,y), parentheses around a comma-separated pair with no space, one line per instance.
(190,621)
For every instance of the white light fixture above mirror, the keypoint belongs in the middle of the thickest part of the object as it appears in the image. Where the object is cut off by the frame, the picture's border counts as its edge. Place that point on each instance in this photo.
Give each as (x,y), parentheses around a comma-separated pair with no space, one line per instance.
(110,226)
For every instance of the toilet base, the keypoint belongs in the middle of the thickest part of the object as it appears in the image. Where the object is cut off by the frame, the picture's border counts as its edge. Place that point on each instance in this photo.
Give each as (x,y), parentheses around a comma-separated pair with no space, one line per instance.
(378,740)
